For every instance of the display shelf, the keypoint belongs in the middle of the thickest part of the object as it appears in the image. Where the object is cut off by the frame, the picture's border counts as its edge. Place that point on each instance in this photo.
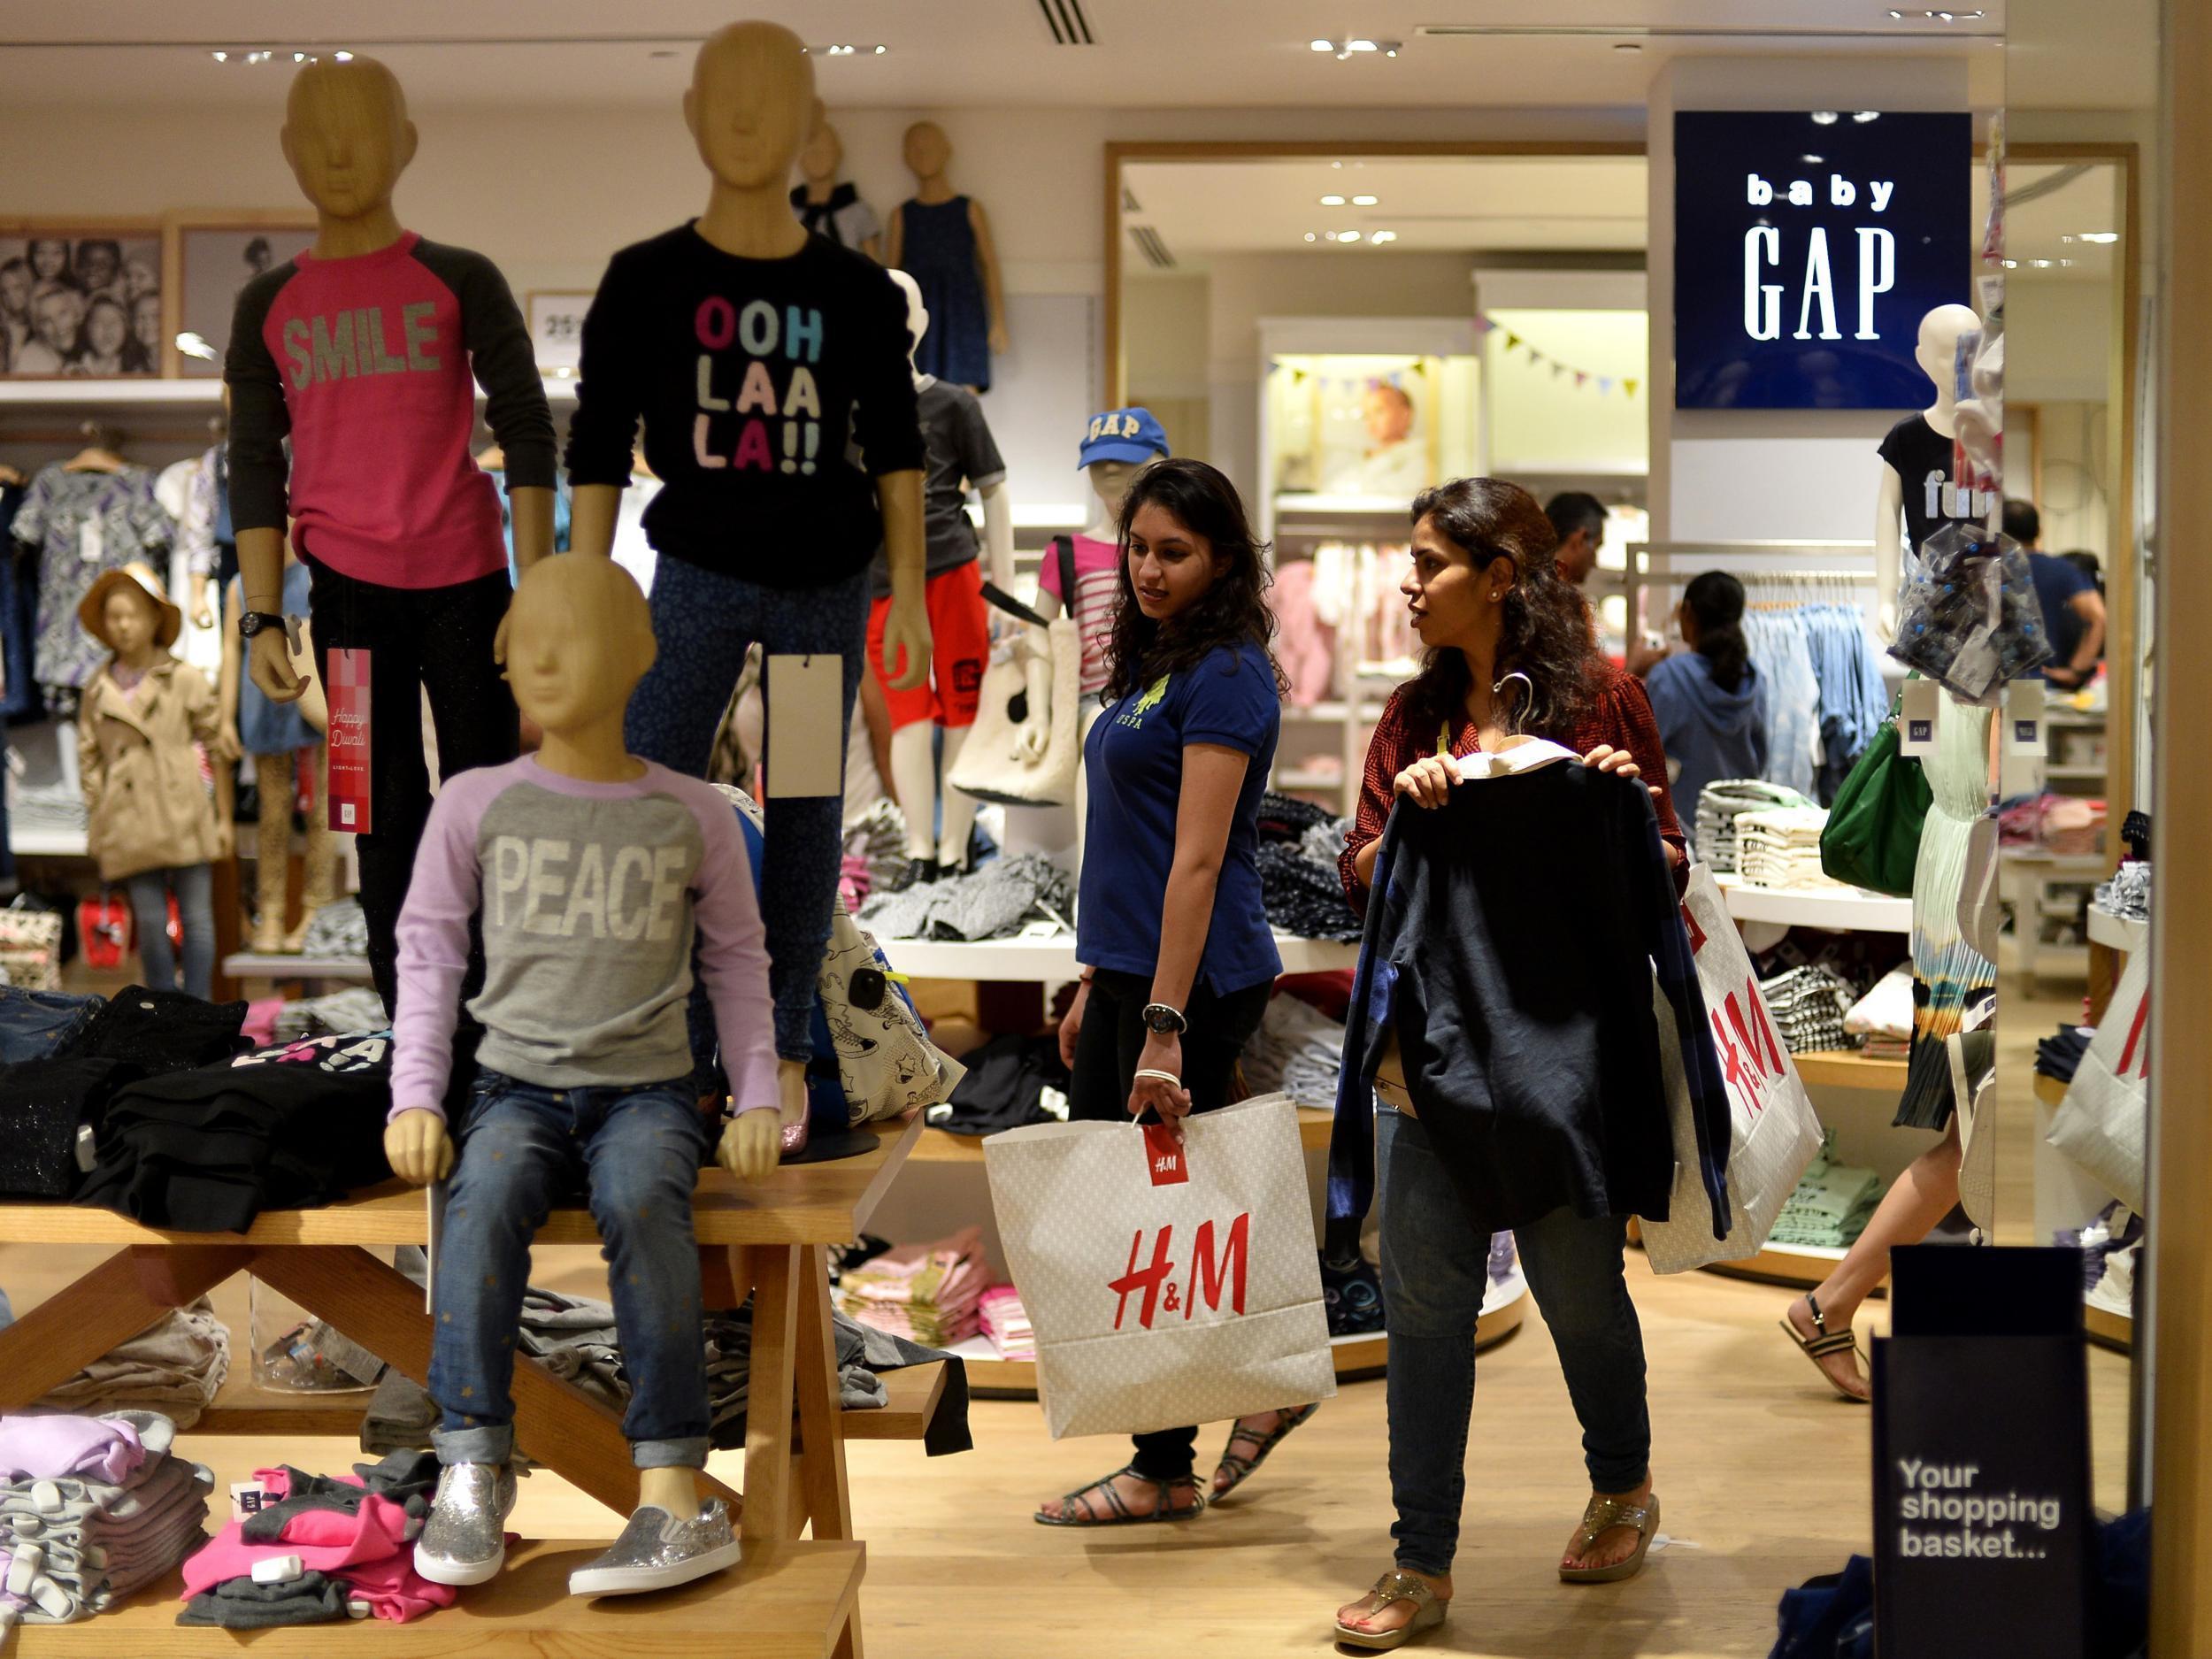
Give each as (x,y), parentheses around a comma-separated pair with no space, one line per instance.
(2119,933)
(1309,778)
(2075,773)
(251,964)
(1802,1265)
(1845,1068)
(1051,960)
(1848,909)
(783,1601)
(2109,1327)
(43,843)
(942,1146)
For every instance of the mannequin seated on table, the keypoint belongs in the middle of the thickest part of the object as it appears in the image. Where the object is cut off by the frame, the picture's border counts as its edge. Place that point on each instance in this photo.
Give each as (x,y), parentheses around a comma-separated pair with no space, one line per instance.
(593,874)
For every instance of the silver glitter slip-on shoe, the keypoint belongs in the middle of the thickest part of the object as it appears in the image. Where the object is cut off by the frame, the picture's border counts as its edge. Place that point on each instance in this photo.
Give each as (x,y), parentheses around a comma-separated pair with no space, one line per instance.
(658,1552)
(465,1540)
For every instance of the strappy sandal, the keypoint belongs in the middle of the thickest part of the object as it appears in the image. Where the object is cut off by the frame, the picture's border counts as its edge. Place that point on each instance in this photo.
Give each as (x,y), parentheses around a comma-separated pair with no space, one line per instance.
(1242,1469)
(1397,1584)
(1826,1342)
(1600,1517)
(1122,1515)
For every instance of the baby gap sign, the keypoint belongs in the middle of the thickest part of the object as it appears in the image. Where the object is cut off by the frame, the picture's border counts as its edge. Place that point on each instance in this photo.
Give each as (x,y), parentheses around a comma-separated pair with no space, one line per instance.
(1808,247)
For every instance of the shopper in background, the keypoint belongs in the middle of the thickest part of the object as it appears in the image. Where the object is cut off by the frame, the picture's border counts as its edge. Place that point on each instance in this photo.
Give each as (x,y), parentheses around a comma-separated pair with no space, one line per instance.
(1579,522)
(1711,703)
(1490,600)
(1178,961)
(2073,608)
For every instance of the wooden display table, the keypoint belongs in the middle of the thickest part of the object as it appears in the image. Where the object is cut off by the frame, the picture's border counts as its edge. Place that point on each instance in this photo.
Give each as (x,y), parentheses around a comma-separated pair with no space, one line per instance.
(773,1238)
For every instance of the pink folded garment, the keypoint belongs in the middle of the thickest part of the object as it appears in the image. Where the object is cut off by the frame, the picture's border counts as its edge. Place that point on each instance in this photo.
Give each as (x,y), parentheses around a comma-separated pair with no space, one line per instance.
(39,1448)
(377,1533)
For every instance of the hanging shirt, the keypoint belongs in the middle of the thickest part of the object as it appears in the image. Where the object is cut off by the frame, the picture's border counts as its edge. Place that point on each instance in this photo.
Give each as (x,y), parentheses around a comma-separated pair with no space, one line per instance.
(959,455)
(1922,459)
(1134,759)
(83,524)
(1097,591)
(370,365)
(752,376)
(844,219)
(1510,945)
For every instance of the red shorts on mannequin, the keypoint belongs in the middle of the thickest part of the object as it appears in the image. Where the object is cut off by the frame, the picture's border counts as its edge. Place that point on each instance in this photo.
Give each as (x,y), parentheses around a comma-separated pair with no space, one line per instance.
(960,645)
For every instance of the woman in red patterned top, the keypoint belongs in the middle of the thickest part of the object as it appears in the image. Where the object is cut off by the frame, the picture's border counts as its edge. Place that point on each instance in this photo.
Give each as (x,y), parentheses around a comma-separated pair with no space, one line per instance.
(1488,602)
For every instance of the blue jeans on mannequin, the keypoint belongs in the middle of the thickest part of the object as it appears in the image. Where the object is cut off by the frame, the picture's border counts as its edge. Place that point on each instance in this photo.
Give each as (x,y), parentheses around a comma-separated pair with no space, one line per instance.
(196,913)
(704,622)
(521,1150)
(1434,1275)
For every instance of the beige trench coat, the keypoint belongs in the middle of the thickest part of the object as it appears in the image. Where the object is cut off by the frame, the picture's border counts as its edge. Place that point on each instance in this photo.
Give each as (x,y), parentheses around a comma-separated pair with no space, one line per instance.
(142,776)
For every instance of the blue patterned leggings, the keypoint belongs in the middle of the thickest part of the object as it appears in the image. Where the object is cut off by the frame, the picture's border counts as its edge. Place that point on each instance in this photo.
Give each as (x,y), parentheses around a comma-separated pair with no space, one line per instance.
(704,622)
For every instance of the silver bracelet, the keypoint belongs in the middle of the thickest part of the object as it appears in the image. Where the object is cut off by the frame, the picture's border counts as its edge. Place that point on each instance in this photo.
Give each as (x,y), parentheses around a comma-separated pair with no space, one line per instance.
(1168,1077)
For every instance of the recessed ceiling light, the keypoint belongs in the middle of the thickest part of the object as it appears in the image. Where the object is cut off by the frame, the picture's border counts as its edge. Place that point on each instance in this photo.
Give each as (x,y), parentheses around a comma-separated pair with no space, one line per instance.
(1383,236)
(1324,46)
(2095,236)
(193,346)
(1332,200)
(2009,264)
(343,58)
(1863,116)
(1812,161)
(1311,236)
(220,57)
(1348,235)
(1823,118)
(1363,200)
(2041,264)
(843,50)
(1359,46)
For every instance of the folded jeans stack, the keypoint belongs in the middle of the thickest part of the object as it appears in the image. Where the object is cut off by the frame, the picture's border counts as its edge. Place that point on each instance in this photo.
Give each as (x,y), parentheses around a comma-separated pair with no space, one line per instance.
(1720,804)
(1809,1005)
(927,1292)
(174,1367)
(92,1509)
(1779,848)
(1832,1205)
(1006,1323)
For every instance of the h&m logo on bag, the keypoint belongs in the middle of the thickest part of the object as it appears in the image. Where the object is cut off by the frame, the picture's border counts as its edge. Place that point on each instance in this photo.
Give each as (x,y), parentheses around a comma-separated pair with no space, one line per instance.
(1211,1273)
(1750,1057)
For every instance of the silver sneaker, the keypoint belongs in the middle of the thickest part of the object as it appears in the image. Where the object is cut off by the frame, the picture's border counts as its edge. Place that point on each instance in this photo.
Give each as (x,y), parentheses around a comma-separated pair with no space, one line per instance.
(658,1552)
(465,1540)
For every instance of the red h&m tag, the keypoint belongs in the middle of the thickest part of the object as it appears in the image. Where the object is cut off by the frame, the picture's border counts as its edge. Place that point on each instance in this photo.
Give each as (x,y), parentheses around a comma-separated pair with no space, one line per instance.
(348,738)
(1163,1155)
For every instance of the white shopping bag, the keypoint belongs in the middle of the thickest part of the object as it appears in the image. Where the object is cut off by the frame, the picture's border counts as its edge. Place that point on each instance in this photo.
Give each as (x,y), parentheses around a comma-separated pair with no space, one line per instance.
(1773,1133)
(2101,1123)
(1167,1284)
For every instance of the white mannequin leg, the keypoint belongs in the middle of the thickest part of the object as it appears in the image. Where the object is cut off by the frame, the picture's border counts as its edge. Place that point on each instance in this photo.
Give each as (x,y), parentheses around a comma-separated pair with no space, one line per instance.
(960,809)
(914,770)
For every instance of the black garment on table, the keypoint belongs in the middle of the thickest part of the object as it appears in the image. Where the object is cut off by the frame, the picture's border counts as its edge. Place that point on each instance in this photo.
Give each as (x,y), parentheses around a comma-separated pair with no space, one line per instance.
(1512,934)
(701,344)
(313,1598)
(287,1128)
(162,1031)
(1921,456)
(2060,1054)
(41,1105)
(406,1478)
(1004,1086)
(1305,898)
(960,454)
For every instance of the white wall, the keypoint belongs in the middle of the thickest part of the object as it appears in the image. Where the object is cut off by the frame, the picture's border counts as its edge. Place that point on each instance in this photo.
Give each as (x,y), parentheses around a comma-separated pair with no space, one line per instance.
(2058,340)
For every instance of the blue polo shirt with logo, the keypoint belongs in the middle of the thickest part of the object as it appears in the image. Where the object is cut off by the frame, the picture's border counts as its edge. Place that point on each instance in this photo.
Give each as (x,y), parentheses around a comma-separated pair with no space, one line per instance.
(1134,760)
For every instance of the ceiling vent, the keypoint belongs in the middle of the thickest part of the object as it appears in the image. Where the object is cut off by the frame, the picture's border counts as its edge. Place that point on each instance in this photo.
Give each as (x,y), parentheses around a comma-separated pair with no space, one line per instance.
(1065,19)
(1151,247)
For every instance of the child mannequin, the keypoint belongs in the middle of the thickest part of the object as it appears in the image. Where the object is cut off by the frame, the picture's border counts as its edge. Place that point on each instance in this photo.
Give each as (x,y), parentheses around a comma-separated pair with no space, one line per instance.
(593,872)
(152,825)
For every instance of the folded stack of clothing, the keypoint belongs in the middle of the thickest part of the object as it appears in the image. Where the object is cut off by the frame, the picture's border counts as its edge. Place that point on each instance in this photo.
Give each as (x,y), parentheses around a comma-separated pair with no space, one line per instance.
(55,808)
(2128,894)
(1832,1202)
(1809,1005)
(875,852)
(927,1292)
(353,1536)
(1010,1081)
(2066,826)
(1007,1324)
(2060,1054)
(92,1509)
(997,902)
(341,1014)
(1299,885)
(1298,1050)
(1880,1022)
(1719,805)
(174,1367)
(339,933)
(1779,848)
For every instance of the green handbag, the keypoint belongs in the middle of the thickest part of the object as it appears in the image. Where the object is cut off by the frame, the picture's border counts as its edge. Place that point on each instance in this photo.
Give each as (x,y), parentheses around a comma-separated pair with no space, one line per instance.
(1873,835)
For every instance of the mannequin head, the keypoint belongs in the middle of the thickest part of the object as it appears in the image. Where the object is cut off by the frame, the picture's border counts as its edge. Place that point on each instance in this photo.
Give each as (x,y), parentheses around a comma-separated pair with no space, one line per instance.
(347,136)
(1110,483)
(130,619)
(751,106)
(928,151)
(127,610)
(1937,351)
(823,156)
(579,639)
(917,313)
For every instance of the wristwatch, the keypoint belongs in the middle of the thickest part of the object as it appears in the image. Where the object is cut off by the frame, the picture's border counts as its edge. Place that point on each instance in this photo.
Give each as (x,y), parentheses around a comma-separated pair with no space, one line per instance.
(254,622)
(1159,1018)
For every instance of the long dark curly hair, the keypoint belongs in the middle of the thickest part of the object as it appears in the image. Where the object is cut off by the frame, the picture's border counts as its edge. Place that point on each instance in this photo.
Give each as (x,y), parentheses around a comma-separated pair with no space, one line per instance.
(1547,633)
(1233,611)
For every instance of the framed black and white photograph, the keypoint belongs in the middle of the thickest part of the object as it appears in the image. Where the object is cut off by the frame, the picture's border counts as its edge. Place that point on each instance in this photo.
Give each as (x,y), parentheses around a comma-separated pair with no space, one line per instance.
(557,328)
(216,257)
(81,300)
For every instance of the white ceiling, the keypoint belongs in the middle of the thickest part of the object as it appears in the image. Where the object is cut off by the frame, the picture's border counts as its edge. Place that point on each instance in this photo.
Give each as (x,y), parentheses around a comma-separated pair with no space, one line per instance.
(1149,54)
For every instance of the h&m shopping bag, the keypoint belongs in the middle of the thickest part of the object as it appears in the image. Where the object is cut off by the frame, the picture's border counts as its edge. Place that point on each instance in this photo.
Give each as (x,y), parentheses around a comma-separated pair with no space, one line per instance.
(2101,1123)
(1773,1133)
(1167,1284)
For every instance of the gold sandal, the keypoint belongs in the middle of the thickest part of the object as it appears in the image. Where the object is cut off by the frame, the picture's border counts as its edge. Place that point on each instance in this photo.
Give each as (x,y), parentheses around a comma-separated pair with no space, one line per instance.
(1397,1584)
(1824,1342)
(1601,1516)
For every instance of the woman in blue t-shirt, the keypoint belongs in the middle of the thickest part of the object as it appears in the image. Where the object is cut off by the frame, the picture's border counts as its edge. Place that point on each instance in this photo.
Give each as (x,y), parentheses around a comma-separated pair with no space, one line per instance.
(1177,960)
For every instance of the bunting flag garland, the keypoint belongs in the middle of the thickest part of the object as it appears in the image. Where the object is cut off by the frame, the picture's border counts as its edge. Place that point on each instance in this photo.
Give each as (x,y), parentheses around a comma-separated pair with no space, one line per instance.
(1486,325)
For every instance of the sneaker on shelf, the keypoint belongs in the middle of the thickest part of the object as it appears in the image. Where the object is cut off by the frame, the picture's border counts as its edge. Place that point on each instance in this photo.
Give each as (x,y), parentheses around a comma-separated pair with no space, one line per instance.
(658,1552)
(465,1540)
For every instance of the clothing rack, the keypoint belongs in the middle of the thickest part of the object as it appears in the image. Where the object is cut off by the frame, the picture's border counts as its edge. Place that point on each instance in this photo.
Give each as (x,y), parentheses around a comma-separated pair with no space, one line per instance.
(1775,575)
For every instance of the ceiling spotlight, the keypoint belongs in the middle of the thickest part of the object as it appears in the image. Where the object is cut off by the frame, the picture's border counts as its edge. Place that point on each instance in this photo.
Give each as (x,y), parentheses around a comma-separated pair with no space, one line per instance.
(1332,200)
(1823,118)
(299,58)
(1348,235)
(220,57)
(2041,264)
(1360,46)
(1812,161)
(193,346)
(1348,47)
(1363,200)
(1863,116)
(1383,236)
(1324,46)
(2009,264)
(2095,236)
(343,58)
(1311,236)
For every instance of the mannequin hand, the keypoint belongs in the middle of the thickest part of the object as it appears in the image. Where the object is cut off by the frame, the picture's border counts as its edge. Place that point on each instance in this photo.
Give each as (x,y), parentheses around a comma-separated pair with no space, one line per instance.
(225,840)
(1428,781)
(752,1142)
(906,630)
(1000,341)
(201,617)
(1071,1026)
(270,667)
(1605,757)
(1163,1051)
(1032,740)
(228,747)
(418,1148)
